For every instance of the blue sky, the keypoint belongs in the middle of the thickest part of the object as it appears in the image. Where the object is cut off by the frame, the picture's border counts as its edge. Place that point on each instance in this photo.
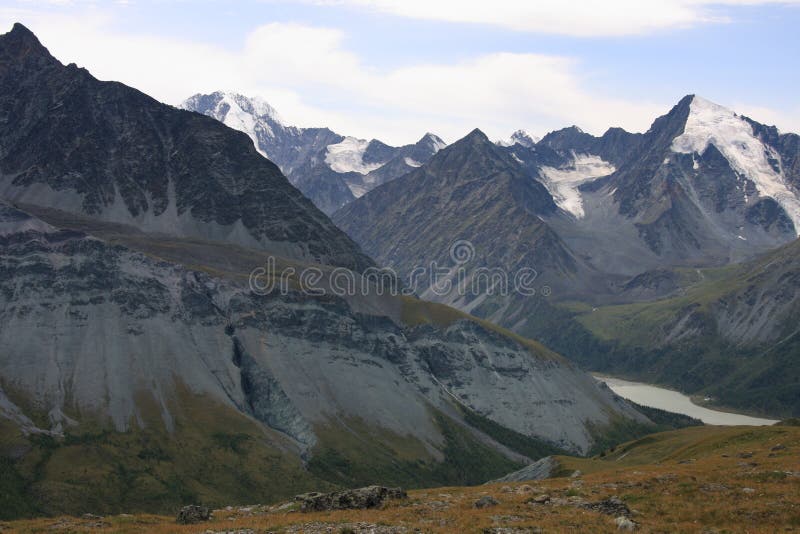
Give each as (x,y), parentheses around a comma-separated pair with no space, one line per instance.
(395,69)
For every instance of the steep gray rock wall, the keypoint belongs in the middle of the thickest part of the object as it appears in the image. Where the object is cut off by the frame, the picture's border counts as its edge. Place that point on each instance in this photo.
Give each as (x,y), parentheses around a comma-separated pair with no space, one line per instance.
(86,328)
(106,150)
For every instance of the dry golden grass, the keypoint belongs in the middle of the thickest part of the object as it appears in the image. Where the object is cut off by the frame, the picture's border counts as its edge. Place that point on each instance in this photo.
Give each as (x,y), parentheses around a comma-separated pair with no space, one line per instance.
(693,480)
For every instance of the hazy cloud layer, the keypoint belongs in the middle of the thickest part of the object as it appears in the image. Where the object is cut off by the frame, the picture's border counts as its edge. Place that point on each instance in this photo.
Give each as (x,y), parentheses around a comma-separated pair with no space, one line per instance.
(310,76)
(580,18)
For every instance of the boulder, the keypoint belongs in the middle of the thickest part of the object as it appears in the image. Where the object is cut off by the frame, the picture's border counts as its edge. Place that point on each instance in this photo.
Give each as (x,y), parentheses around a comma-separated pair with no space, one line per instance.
(611,506)
(486,501)
(541,499)
(623,523)
(193,513)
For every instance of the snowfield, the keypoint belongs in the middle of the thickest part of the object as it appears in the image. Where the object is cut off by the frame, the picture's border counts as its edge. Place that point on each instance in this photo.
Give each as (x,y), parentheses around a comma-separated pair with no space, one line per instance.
(563,183)
(246,115)
(348,156)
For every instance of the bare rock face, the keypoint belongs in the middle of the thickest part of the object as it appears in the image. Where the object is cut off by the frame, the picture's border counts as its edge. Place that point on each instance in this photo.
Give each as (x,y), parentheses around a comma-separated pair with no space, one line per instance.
(361,498)
(283,359)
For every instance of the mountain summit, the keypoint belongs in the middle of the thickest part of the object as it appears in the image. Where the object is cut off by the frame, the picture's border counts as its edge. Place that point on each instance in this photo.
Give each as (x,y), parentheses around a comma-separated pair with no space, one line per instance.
(704,186)
(329,168)
(105,150)
(519,137)
(253,116)
(471,191)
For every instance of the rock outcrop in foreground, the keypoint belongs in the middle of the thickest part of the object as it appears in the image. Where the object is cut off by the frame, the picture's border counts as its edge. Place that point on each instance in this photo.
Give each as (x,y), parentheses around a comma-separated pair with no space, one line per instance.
(355,499)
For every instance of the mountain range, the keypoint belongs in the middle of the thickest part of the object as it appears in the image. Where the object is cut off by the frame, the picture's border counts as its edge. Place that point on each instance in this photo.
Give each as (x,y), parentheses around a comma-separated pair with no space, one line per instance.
(619,219)
(139,368)
(606,221)
(330,169)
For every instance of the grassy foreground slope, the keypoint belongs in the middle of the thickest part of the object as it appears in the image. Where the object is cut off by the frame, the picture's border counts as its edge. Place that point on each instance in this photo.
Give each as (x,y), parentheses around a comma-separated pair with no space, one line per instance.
(706,479)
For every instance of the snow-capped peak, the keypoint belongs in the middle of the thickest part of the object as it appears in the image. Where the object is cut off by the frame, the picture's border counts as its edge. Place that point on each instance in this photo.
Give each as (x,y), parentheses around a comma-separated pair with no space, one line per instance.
(434,141)
(251,115)
(711,124)
(252,105)
(520,137)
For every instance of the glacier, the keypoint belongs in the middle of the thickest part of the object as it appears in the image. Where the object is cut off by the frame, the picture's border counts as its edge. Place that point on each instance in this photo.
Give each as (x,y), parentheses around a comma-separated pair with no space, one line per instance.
(711,124)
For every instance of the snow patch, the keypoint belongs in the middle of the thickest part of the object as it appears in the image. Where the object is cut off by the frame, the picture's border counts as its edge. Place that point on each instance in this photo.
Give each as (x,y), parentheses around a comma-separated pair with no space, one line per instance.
(348,156)
(563,183)
(250,115)
(239,119)
(435,141)
(358,190)
(712,124)
(412,163)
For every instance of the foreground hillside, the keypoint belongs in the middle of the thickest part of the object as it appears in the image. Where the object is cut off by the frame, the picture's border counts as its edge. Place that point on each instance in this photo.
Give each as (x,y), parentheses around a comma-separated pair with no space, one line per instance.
(702,479)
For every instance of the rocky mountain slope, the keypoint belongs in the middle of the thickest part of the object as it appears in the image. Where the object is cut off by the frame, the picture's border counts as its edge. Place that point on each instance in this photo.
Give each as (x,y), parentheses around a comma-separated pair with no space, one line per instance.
(703,187)
(330,169)
(100,337)
(134,347)
(472,195)
(103,149)
(226,324)
(700,188)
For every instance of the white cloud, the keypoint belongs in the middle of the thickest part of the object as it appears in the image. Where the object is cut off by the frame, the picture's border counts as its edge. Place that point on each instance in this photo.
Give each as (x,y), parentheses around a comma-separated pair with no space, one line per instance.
(312,79)
(584,18)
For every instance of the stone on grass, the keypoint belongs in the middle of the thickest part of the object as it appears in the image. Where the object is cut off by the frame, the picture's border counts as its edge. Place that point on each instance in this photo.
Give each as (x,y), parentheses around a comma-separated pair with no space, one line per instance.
(192,514)
(486,501)
(623,523)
